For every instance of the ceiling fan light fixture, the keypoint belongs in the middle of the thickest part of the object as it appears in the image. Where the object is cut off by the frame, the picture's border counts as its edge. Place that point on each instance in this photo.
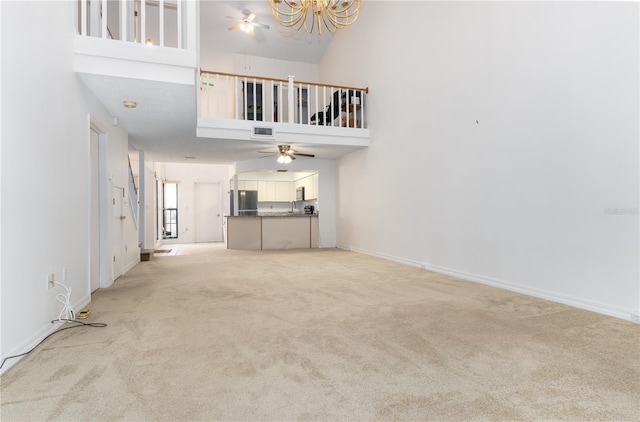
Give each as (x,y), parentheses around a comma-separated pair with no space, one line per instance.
(310,14)
(284,159)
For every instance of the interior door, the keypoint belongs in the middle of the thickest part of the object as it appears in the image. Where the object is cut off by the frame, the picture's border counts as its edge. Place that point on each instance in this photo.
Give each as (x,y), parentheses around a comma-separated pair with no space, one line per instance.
(118,231)
(208,212)
(94,192)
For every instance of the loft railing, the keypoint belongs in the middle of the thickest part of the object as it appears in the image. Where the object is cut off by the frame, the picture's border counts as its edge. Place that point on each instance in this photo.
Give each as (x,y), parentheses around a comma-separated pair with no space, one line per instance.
(254,98)
(158,22)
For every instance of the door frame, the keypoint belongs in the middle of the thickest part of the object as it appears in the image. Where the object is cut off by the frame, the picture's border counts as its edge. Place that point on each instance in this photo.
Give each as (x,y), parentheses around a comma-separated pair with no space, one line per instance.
(117,224)
(104,195)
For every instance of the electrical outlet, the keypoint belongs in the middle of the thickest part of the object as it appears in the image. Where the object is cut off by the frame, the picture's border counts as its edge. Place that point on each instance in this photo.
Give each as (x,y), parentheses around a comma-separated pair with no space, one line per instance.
(51,280)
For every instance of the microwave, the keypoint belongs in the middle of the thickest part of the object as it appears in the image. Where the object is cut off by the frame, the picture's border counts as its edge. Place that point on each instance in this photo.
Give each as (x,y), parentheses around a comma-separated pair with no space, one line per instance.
(300,194)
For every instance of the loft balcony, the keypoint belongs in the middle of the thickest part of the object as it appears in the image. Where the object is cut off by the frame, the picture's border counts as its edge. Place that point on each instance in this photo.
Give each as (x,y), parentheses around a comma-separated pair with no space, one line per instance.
(245,107)
(148,49)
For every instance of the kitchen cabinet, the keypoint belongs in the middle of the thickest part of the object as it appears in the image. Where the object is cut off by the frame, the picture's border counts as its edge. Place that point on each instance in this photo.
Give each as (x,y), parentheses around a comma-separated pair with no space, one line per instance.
(283,191)
(247,185)
(266,191)
(273,232)
(310,184)
(274,191)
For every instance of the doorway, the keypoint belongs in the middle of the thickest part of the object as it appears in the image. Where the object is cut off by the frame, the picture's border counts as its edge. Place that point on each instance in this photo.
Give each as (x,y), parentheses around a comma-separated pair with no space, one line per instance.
(208,212)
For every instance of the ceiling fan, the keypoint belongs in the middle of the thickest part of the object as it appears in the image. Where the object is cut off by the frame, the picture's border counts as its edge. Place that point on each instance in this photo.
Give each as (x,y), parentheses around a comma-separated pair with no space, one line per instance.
(285,154)
(246,23)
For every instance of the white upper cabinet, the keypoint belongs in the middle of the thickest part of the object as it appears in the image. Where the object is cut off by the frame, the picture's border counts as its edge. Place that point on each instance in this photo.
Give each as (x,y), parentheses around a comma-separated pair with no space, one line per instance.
(272,191)
(310,184)
(283,191)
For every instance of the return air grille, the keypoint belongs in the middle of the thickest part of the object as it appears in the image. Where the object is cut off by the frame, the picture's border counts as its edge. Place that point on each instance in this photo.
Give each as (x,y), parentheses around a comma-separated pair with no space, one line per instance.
(262,132)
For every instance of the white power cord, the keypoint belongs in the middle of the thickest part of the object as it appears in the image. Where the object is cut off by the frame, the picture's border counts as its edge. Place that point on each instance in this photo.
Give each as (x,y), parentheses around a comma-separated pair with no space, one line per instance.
(67,313)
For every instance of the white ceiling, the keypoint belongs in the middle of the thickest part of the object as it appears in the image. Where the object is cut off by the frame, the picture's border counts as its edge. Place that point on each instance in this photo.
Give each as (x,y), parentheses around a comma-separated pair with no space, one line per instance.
(164,123)
(277,42)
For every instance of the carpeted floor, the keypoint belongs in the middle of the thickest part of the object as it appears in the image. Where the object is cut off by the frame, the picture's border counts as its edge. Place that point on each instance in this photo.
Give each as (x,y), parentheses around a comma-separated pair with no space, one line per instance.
(324,335)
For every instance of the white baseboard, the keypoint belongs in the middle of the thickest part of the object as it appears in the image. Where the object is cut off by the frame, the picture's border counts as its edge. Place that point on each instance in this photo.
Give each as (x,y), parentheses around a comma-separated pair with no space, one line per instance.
(385,256)
(601,308)
(40,335)
(131,265)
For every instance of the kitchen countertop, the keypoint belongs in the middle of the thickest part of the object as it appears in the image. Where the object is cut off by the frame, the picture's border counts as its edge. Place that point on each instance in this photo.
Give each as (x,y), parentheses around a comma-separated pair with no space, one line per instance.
(275,215)
(284,214)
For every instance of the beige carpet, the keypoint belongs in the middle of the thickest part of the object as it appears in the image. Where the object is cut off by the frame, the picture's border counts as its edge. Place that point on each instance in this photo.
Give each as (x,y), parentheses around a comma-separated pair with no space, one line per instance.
(324,335)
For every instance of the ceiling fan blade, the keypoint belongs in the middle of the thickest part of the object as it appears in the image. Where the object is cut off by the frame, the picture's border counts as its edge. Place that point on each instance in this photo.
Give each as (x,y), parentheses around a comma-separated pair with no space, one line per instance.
(235,19)
(266,152)
(304,155)
(232,27)
(261,25)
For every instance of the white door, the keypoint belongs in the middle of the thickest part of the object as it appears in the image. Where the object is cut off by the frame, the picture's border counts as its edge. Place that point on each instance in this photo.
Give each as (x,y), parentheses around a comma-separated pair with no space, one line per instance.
(208,212)
(94,217)
(118,227)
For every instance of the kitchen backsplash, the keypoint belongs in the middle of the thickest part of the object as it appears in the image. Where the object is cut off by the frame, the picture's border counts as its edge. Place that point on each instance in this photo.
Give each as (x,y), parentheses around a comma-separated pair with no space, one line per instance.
(279,207)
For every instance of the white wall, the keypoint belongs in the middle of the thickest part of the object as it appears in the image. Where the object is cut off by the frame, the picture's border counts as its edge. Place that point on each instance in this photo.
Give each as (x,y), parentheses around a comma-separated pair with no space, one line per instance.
(260,66)
(45,169)
(150,233)
(504,137)
(187,175)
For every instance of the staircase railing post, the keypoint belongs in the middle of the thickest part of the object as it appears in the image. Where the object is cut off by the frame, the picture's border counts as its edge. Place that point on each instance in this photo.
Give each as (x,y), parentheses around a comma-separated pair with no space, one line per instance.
(291,98)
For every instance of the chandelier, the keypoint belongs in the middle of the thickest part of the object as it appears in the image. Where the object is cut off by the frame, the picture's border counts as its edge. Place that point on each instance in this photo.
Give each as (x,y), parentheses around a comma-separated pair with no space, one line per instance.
(310,14)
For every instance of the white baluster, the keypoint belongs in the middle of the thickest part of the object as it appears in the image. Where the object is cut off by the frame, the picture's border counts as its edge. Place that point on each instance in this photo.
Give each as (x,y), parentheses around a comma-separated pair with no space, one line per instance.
(264,95)
(235,96)
(280,102)
(179,23)
(103,18)
(161,23)
(291,95)
(83,17)
(143,22)
(208,94)
(308,108)
(123,20)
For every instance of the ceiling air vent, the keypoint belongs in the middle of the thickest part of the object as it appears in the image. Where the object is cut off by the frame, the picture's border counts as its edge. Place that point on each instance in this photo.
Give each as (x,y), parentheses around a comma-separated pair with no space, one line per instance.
(262,132)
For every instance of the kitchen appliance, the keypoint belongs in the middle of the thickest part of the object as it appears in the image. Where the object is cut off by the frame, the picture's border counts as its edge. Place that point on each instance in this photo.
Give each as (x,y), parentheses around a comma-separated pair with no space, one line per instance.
(300,194)
(247,202)
(308,209)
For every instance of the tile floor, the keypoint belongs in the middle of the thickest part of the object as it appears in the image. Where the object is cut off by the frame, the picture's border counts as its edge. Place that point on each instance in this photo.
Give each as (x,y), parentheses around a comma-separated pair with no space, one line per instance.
(188,248)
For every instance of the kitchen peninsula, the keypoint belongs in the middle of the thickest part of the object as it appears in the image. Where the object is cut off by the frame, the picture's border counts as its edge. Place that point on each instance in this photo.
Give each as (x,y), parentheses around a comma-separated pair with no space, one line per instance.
(272,231)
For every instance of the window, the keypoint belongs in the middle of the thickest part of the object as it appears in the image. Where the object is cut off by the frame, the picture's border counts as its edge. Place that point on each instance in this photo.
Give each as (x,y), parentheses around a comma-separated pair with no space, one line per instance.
(170,211)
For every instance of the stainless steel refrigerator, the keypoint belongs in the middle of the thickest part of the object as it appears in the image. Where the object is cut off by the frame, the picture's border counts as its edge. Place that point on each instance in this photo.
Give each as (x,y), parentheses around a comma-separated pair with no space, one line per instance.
(247,202)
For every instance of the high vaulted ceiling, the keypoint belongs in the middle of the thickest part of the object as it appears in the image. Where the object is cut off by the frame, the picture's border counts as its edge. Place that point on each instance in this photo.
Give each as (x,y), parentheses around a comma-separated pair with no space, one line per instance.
(277,42)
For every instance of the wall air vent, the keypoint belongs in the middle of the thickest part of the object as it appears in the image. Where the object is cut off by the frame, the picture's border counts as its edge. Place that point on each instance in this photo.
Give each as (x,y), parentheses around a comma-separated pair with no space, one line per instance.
(262,132)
